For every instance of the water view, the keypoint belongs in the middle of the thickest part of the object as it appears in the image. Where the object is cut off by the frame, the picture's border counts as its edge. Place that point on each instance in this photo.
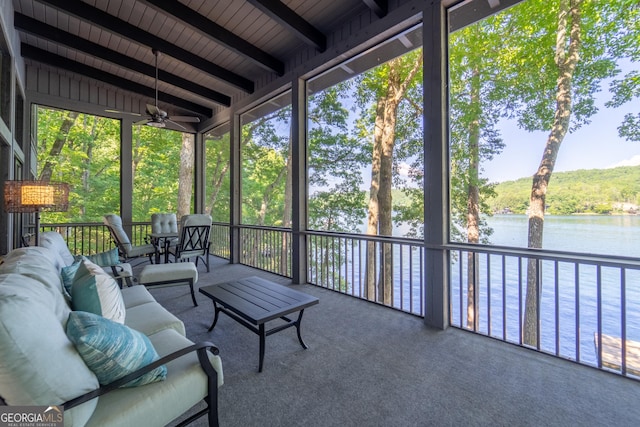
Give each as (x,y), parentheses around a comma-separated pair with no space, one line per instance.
(577,299)
(591,234)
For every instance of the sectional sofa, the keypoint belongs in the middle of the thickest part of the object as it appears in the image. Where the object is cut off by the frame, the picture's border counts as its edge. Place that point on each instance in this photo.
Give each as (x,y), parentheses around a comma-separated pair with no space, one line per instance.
(70,336)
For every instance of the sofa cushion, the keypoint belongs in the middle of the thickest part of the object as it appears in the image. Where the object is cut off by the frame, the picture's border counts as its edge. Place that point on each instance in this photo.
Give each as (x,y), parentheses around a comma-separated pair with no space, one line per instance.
(56,243)
(38,363)
(136,295)
(35,263)
(152,317)
(186,383)
(112,350)
(96,292)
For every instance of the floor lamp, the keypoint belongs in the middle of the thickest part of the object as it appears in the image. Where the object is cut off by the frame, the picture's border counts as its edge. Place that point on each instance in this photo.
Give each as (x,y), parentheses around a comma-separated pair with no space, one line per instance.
(35,197)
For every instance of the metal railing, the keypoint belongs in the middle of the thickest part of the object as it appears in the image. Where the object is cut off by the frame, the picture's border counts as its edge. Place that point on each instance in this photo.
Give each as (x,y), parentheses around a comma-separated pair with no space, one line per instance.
(219,240)
(266,248)
(384,270)
(91,238)
(587,307)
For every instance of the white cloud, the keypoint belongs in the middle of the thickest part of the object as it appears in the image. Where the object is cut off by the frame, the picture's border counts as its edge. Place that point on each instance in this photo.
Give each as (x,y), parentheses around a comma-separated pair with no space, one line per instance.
(633,161)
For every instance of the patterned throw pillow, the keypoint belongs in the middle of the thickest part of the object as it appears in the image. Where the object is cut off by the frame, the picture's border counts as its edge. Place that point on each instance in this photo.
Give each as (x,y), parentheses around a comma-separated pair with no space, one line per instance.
(112,350)
(105,259)
(95,291)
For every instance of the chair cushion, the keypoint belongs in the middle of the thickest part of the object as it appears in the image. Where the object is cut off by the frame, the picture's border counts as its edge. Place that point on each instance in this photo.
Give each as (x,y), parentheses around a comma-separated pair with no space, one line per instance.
(115,227)
(112,350)
(95,291)
(136,251)
(164,223)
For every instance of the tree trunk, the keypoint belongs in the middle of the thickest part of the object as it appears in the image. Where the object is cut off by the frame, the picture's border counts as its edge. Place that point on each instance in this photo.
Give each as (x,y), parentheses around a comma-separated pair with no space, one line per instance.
(473,201)
(266,196)
(217,177)
(385,202)
(58,144)
(380,196)
(567,57)
(374,210)
(185,179)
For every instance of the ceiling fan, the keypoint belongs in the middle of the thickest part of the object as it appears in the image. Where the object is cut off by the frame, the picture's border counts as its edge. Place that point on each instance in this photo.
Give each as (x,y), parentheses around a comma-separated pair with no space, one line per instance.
(157,117)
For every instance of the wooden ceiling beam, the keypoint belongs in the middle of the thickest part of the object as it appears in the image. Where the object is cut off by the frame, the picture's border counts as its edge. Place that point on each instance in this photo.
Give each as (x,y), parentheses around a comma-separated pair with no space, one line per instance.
(217,33)
(45,57)
(33,26)
(379,7)
(286,17)
(117,26)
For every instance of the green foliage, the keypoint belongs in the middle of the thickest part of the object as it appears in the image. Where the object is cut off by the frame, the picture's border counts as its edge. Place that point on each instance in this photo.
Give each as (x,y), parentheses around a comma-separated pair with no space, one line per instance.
(156,171)
(265,147)
(86,157)
(217,176)
(593,191)
(84,151)
(480,79)
(336,156)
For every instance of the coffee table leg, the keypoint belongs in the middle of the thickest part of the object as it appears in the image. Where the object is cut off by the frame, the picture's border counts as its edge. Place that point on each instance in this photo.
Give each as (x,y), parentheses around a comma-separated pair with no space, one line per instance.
(298,330)
(215,316)
(262,342)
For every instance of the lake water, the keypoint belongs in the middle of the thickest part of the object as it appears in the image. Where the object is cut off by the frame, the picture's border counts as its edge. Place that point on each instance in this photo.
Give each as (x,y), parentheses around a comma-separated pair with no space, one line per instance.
(581,302)
(593,234)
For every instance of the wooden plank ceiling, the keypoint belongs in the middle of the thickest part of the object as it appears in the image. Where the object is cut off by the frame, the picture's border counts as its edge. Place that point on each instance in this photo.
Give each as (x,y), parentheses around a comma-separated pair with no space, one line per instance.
(210,52)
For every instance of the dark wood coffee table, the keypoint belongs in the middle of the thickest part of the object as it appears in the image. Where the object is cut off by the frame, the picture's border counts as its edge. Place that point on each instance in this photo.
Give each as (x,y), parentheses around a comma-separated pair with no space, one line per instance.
(254,301)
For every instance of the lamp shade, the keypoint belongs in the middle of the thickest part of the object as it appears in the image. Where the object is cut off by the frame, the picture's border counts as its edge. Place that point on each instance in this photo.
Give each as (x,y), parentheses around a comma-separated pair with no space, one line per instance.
(36,196)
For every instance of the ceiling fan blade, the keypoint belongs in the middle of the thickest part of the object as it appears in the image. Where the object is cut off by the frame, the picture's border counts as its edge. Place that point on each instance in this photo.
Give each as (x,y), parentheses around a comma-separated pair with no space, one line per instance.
(123,112)
(153,110)
(188,119)
(176,124)
(141,122)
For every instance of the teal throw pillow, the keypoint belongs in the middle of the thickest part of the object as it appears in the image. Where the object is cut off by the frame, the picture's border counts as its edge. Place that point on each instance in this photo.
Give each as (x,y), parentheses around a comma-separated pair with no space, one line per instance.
(105,259)
(95,291)
(68,273)
(112,350)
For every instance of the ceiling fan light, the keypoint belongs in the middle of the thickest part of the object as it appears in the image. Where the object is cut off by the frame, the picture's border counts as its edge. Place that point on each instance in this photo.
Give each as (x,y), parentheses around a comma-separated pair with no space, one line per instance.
(155,124)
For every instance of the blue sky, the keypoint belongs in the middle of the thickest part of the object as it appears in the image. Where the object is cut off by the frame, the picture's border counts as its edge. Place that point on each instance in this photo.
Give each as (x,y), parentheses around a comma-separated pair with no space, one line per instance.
(595,146)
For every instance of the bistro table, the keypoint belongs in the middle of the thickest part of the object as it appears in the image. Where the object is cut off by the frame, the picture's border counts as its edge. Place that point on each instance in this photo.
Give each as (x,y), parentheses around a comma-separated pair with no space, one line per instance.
(162,241)
(254,301)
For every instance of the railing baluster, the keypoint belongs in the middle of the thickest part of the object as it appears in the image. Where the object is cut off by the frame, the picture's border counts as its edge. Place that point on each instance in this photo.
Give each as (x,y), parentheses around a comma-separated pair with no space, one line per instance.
(488,293)
(557,305)
(504,298)
(599,312)
(338,261)
(623,319)
(577,304)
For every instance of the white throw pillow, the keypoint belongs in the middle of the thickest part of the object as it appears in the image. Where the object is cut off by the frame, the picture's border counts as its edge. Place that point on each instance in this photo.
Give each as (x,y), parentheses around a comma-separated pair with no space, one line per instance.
(96,292)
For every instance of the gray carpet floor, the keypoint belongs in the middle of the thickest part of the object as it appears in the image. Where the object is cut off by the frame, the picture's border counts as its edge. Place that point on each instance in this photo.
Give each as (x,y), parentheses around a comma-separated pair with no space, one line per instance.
(368,365)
